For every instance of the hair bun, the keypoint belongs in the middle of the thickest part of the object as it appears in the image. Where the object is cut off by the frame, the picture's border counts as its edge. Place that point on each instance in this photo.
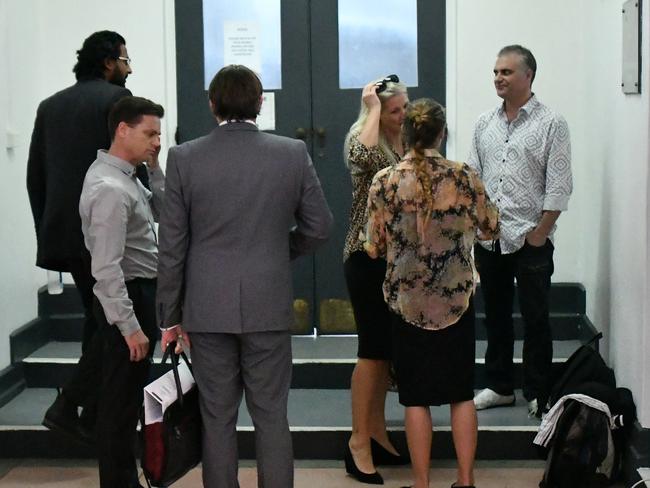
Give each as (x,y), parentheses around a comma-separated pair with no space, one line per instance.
(419,118)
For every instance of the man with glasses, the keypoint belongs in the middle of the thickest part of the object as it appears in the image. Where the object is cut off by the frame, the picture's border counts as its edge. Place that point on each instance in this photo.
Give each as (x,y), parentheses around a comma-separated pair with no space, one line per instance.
(71,126)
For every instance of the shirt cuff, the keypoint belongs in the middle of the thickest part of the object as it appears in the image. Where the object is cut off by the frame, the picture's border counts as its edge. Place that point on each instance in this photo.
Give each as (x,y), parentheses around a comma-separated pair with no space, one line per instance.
(128,328)
(556,202)
(170,328)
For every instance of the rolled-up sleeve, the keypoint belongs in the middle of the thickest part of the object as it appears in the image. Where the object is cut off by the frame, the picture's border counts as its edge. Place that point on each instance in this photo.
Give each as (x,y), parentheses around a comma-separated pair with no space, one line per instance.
(104,213)
(559,180)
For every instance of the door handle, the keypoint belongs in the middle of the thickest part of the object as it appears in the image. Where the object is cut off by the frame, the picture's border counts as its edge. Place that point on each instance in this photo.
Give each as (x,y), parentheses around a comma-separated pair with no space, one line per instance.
(301,134)
(320,134)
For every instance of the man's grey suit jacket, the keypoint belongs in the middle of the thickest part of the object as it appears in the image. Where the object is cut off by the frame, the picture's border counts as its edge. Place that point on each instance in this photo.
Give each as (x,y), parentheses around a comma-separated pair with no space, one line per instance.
(239,205)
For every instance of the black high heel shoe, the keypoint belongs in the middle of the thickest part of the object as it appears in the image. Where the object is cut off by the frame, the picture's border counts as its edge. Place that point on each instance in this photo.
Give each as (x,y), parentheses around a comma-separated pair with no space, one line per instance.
(351,468)
(383,457)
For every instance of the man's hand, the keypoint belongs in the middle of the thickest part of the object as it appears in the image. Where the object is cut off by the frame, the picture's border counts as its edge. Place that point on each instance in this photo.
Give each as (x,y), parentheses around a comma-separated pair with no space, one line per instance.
(536,238)
(138,345)
(177,335)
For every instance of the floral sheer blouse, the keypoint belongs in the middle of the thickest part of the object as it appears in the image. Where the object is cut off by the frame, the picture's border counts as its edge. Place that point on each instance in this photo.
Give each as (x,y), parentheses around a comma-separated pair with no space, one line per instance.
(430,270)
(364,163)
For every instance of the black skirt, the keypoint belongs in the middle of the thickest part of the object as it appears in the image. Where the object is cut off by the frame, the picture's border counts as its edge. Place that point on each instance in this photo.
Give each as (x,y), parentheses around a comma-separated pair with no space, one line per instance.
(364,277)
(434,367)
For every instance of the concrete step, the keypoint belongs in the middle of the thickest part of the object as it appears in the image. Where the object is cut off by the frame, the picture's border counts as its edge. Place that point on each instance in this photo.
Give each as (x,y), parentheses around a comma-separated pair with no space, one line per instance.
(318,362)
(564,326)
(565,298)
(320,422)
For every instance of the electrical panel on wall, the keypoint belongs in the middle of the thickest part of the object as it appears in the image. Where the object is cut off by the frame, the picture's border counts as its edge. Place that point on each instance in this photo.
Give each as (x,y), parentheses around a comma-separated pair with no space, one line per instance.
(631,47)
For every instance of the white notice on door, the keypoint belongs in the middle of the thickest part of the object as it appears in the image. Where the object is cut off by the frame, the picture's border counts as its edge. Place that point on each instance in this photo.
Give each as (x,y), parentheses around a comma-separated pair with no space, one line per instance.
(266,118)
(241,45)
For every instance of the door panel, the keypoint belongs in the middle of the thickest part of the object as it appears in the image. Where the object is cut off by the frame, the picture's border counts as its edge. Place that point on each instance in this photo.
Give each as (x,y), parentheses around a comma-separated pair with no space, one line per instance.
(292,103)
(310,99)
(334,111)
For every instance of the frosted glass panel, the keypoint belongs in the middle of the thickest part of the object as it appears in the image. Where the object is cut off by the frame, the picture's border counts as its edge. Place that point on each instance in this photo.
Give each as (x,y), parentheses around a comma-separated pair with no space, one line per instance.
(377,38)
(243,32)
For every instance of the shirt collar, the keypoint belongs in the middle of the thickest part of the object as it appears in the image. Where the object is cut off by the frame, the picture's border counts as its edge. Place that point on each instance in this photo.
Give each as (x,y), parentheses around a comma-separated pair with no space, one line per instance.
(124,166)
(248,121)
(527,107)
(428,153)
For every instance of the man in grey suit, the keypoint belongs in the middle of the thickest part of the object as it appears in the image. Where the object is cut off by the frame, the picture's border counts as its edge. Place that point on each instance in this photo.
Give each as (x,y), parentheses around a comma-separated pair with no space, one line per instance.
(240,204)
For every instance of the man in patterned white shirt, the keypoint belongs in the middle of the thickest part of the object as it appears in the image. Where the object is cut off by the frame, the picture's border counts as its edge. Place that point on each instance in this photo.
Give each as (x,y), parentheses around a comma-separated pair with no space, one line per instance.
(521,150)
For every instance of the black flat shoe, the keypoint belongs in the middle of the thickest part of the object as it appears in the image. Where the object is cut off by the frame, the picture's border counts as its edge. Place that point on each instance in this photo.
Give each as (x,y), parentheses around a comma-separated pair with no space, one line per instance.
(351,468)
(383,457)
(454,485)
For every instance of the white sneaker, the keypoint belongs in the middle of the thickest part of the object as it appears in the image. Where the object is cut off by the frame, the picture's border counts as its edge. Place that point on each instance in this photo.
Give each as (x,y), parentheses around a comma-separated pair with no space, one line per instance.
(489,398)
(533,409)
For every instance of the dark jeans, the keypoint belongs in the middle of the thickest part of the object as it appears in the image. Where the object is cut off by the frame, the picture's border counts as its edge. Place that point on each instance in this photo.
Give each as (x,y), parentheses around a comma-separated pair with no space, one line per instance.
(532,267)
(118,384)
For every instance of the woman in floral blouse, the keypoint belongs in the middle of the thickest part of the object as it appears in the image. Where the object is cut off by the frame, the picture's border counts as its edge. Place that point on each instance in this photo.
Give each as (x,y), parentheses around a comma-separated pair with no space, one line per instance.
(423,217)
(374,142)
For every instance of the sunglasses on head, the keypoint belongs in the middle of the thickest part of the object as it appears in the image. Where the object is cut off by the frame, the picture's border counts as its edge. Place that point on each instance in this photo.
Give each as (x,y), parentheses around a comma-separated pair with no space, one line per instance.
(383,84)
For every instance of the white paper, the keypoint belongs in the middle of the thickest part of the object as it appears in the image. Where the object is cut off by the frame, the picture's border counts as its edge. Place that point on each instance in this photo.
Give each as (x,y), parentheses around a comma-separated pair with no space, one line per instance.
(266,118)
(161,393)
(241,45)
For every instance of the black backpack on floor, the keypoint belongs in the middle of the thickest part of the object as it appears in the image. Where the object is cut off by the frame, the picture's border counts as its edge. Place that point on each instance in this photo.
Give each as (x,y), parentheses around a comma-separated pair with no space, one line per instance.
(580,445)
(585,452)
(585,365)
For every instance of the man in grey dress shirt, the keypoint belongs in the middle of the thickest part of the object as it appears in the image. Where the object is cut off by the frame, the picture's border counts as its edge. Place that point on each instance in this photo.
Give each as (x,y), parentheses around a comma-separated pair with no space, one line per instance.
(522,151)
(117,220)
(239,205)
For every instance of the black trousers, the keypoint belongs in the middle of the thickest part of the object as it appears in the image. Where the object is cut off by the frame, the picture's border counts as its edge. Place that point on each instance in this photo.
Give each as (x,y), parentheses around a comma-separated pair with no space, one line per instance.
(84,281)
(117,384)
(532,267)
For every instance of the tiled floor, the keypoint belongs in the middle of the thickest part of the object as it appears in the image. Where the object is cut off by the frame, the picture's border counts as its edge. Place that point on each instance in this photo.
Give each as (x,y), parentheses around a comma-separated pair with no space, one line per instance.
(309,474)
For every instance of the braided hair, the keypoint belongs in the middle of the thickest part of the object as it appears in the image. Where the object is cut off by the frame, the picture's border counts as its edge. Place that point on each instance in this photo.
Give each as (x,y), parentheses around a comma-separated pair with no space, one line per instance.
(423,124)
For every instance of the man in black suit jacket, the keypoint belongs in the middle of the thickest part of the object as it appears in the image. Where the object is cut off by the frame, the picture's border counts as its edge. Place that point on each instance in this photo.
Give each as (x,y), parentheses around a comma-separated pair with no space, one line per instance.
(70,127)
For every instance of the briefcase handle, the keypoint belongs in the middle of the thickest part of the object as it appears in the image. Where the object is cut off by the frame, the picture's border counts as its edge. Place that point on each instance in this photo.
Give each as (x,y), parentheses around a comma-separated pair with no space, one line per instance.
(171,352)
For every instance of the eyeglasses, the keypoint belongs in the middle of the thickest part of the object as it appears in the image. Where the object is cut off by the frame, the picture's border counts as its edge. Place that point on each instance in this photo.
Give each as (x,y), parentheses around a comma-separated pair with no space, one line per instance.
(383,84)
(126,60)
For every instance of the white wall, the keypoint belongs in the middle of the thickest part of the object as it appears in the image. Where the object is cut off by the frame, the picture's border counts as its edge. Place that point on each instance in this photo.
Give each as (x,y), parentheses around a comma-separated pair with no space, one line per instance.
(38,61)
(602,241)
(481,29)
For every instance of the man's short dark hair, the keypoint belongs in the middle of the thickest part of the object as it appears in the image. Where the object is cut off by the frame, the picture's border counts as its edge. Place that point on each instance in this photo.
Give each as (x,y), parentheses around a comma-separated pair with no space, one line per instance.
(526,55)
(235,93)
(131,110)
(95,49)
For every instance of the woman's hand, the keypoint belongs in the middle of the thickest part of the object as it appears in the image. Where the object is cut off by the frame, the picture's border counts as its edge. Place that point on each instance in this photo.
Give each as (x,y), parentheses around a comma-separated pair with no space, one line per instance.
(369,134)
(369,96)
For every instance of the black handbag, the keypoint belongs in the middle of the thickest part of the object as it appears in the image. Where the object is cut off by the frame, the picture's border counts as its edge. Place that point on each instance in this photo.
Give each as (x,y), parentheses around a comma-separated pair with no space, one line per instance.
(171,447)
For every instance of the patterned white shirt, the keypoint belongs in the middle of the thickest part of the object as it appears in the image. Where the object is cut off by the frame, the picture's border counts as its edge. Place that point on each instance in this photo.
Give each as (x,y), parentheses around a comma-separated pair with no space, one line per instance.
(525,165)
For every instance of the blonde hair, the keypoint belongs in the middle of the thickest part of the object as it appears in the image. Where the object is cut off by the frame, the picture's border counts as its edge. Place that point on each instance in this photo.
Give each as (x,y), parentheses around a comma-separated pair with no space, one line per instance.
(423,123)
(391,90)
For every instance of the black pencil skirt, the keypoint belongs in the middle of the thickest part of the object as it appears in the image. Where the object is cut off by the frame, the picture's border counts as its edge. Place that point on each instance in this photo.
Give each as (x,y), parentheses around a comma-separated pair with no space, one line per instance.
(365,277)
(434,367)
